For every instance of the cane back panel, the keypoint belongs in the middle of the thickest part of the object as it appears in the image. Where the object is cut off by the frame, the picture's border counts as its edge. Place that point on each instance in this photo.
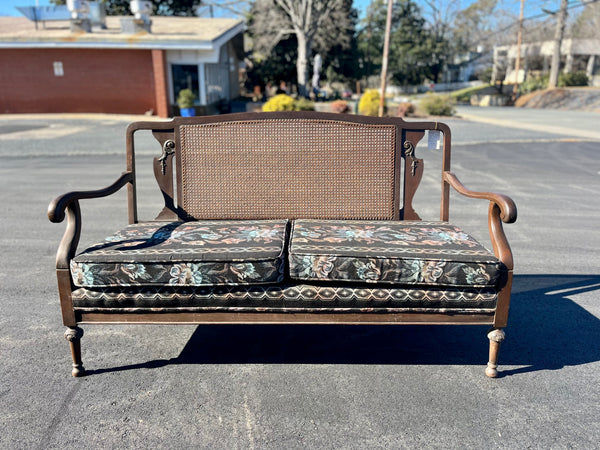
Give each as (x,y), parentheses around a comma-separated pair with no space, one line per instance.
(288,168)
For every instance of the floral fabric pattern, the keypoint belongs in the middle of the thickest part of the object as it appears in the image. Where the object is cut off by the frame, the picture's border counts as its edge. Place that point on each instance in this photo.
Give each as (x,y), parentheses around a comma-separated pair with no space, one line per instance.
(185,254)
(408,253)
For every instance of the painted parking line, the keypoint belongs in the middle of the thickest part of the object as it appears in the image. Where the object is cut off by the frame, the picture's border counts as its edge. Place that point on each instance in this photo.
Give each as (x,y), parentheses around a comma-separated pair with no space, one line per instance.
(52,131)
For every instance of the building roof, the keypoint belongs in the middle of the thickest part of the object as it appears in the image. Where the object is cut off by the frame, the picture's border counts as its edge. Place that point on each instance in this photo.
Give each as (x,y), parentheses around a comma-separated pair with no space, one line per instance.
(569,46)
(192,33)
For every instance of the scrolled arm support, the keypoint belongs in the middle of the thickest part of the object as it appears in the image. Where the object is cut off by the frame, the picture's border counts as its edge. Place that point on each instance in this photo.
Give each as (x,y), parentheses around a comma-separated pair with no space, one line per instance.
(68,205)
(501,209)
(508,209)
(58,206)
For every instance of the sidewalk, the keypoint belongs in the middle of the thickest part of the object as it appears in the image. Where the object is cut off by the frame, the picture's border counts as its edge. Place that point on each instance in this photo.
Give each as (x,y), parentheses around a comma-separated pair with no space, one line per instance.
(581,124)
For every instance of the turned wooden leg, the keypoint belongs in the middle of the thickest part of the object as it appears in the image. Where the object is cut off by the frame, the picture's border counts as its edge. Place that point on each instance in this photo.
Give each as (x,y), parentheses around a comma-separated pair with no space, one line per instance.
(73,335)
(496,336)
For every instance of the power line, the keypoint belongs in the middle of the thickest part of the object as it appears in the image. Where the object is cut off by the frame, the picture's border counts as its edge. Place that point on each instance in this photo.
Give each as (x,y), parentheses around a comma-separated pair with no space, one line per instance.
(551,13)
(538,16)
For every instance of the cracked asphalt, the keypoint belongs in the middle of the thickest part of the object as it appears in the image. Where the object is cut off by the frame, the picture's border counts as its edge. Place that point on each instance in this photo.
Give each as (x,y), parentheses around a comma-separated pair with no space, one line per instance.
(310,386)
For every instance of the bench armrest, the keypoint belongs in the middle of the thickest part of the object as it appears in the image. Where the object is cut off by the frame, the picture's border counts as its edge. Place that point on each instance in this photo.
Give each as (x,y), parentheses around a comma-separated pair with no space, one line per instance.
(501,209)
(508,209)
(68,205)
(56,209)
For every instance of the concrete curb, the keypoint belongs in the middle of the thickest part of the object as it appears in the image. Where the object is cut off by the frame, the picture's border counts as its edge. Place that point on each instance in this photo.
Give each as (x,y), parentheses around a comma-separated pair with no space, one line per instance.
(530,126)
(82,116)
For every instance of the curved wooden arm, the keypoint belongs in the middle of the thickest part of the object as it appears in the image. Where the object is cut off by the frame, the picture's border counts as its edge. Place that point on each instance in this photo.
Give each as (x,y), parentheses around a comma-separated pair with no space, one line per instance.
(56,209)
(69,204)
(502,209)
(508,209)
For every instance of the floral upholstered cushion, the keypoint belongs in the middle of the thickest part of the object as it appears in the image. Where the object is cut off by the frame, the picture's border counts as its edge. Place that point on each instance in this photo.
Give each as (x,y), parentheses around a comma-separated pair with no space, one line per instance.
(404,252)
(198,253)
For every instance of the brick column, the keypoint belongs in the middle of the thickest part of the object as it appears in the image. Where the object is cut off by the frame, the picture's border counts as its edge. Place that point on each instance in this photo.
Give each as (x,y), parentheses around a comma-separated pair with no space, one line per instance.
(161,92)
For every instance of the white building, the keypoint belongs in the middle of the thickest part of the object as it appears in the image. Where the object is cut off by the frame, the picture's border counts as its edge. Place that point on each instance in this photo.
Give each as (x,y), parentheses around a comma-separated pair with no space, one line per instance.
(576,55)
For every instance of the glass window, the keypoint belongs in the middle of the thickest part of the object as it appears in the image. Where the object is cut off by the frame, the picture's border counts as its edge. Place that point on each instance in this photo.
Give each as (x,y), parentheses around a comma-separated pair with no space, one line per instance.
(58,69)
(185,76)
(217,82)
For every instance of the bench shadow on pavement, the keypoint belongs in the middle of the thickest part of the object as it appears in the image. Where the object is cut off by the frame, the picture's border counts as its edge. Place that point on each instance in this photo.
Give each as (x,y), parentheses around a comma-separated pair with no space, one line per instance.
(547,331)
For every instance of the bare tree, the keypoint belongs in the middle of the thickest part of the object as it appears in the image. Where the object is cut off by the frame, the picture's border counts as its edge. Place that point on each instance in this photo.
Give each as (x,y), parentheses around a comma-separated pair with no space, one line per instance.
(587,22)
(229,8)
(313,22)
(440,15)
(560,30)
(473,25)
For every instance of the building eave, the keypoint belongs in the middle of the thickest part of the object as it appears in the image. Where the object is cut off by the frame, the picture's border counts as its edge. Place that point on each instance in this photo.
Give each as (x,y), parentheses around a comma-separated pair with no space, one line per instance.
(185,37)
(207,46)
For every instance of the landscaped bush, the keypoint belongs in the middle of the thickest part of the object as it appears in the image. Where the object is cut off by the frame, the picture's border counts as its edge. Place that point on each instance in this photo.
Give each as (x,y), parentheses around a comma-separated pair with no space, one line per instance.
(533,84)
(283,102)
(438,105)
(369,103)
(280,102)
(303,104)
(186,98)
(573,79)
(340,106)
(564,79)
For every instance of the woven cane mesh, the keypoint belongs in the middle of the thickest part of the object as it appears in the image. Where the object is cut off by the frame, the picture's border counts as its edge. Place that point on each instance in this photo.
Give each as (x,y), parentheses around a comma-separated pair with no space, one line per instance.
(288,168)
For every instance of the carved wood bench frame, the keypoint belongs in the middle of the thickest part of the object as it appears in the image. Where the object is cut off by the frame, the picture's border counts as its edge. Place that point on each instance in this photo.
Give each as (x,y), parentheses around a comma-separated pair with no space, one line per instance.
(501,210)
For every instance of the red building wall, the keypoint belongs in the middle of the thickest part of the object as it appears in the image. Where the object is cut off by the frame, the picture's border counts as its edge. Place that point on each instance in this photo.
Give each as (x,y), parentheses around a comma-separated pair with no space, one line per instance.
(94,80)
(160,83)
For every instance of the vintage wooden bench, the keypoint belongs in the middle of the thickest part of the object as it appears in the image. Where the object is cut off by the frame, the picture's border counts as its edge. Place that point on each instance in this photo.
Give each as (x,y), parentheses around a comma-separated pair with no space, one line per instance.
(274,218)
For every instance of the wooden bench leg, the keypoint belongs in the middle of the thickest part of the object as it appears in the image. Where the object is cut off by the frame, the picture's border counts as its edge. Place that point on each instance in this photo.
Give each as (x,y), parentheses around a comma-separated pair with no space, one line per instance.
(73,335)
(496,336)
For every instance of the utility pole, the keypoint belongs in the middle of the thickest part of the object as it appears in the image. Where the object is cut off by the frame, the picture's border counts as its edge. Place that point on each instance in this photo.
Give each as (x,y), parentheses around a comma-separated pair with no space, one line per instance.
(369,37)
(518,60)
(386,51)
(558,36)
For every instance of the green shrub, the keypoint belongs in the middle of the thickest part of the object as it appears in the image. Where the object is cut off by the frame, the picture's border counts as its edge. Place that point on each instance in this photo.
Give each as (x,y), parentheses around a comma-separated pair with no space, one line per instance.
(573,79)
(438,105)
(280,102)
(185,99)
(283,102)
(534,84)
(369,103)
(303,104)
(540,83)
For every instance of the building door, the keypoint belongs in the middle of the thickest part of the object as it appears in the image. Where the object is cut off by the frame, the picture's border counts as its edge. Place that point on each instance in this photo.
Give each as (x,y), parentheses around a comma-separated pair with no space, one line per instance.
(217,78)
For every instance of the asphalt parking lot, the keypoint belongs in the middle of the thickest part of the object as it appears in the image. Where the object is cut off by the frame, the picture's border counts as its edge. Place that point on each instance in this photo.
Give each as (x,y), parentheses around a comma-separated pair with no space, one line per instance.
(310,386)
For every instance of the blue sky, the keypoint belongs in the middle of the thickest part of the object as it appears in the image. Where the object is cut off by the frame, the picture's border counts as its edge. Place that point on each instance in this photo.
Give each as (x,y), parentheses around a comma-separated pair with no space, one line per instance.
(7,7)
